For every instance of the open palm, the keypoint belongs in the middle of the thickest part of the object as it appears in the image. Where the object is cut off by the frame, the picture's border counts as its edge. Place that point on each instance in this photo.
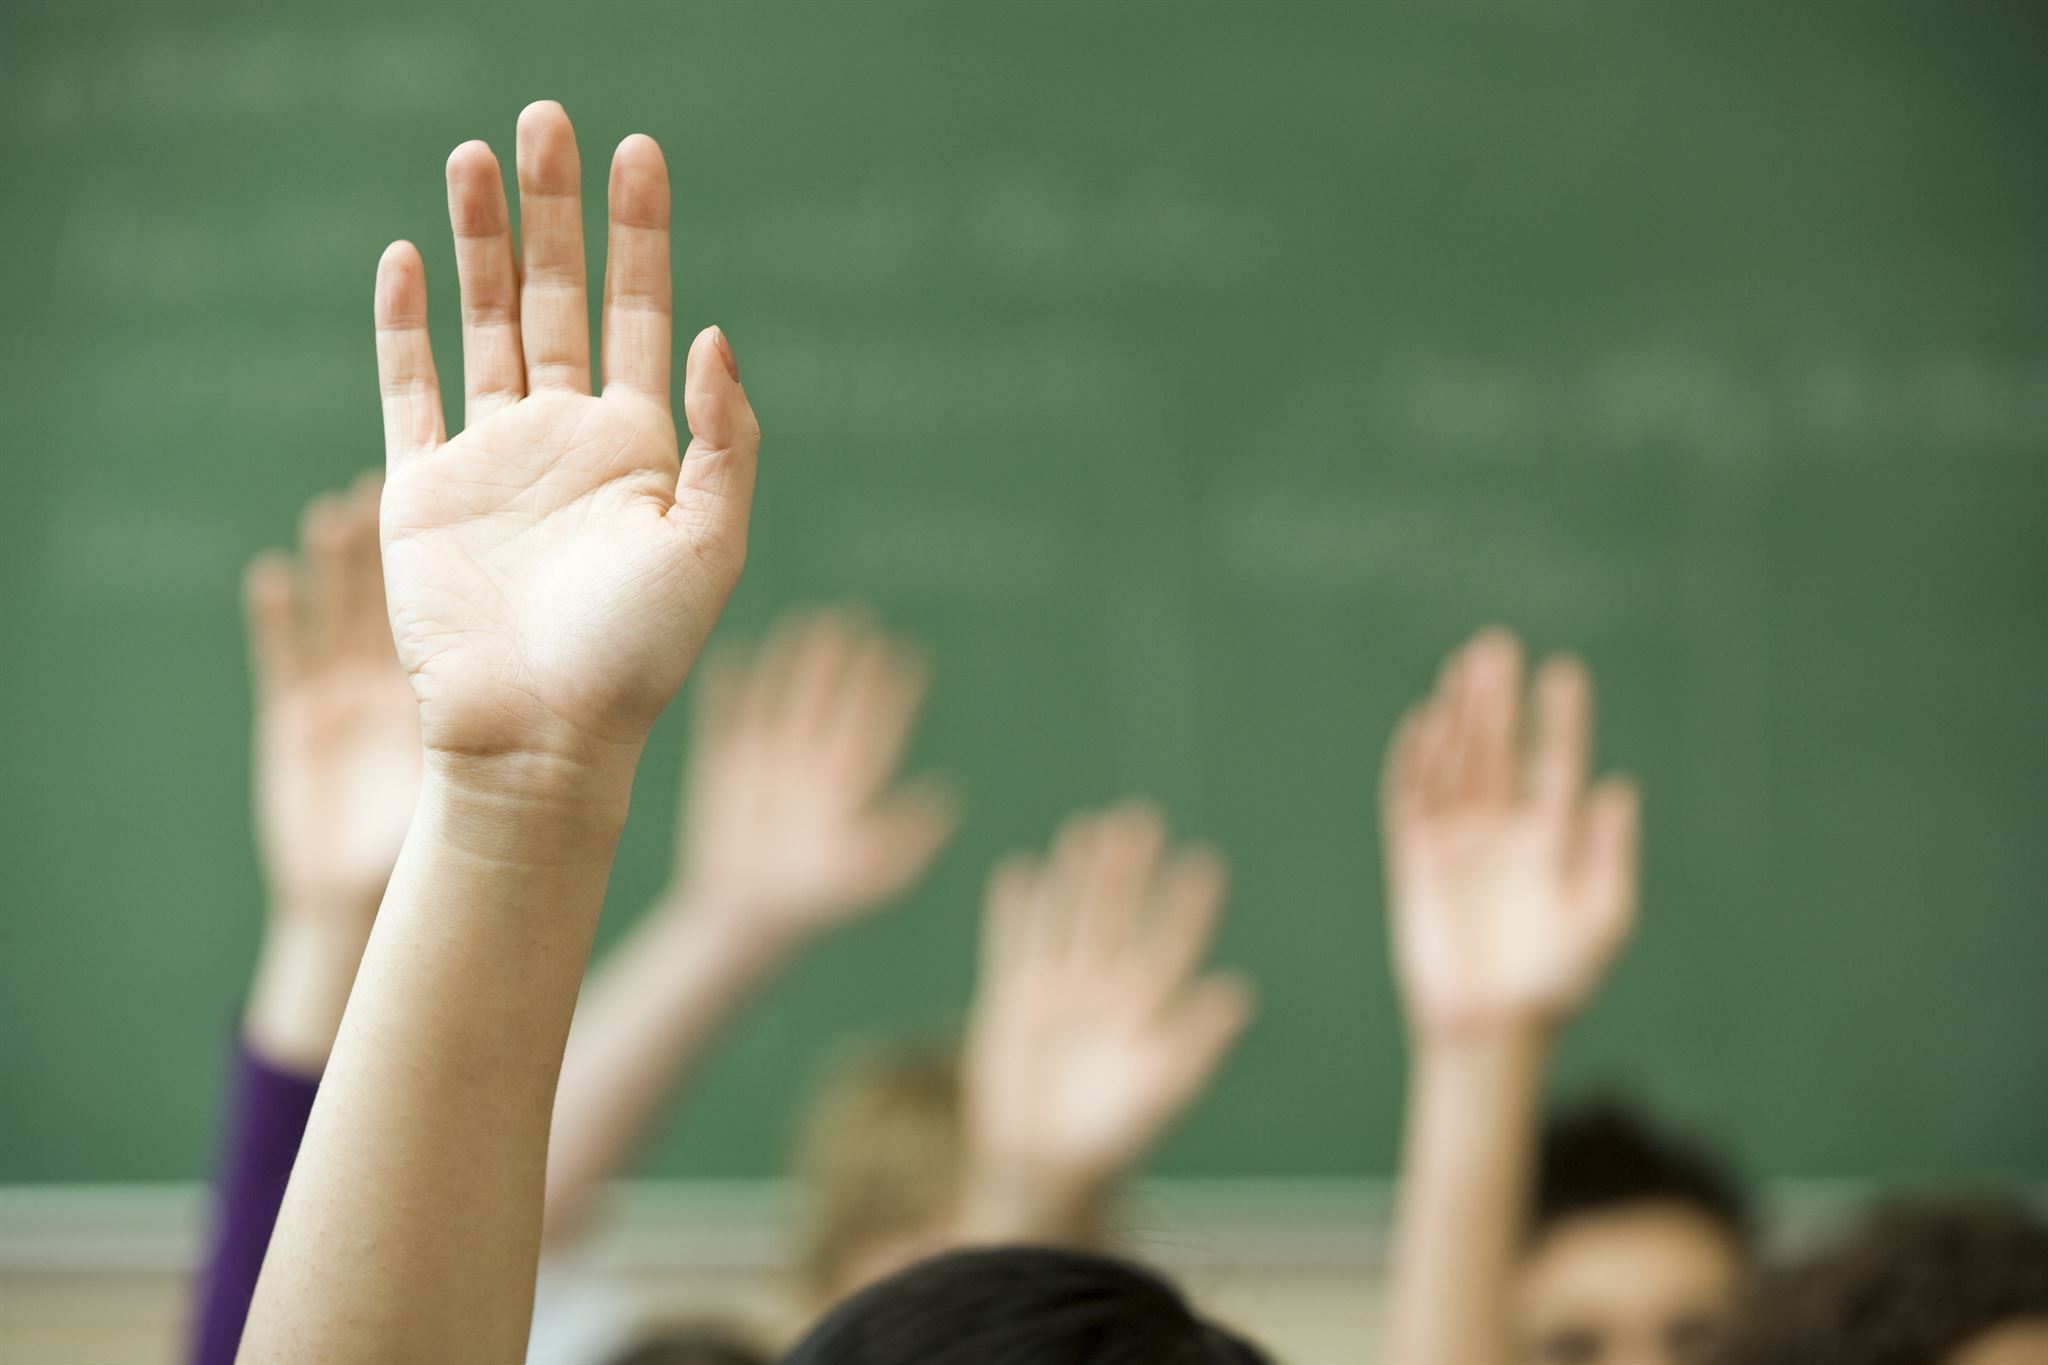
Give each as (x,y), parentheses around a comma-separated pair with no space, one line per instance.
(794,819)
(1094,1028)
(337,730)
(555,568)
(1512,884)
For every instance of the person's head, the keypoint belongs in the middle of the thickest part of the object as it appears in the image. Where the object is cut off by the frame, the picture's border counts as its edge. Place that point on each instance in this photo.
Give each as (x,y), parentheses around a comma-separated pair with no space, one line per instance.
(1020,1306)
(1956,1283)
(879,1167)
(693,1346)
(1638,1246)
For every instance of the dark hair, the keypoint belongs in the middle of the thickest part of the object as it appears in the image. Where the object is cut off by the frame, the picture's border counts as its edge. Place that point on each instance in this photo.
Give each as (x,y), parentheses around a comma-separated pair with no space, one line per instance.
(1020,1306)
(1907,1287)
(693,1346)
(1605,1154)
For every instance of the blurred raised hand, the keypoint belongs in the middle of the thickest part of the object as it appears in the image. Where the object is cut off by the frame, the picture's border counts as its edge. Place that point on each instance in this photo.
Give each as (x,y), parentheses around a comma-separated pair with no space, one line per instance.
(555,568)
(1512,879)
(793,817)
(337,767)
(1511,885)
(794,820)
(1095,1025)
(337,731)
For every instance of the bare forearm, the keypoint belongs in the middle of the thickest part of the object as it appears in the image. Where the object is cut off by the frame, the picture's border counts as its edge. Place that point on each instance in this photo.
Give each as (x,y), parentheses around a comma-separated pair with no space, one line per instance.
(650,1015)
(1472,1116)
(422,1166)
(1007,1206)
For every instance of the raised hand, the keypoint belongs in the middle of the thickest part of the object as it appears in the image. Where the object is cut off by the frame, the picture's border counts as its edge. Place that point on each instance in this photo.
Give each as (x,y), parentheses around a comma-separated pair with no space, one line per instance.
(337,749)
(790,823)
(554,569)
(337,771)
(551,574)
(1094,1026)
(1512,883)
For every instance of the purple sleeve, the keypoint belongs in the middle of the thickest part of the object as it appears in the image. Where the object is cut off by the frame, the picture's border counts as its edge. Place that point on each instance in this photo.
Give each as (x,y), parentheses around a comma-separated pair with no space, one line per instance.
(267,1113)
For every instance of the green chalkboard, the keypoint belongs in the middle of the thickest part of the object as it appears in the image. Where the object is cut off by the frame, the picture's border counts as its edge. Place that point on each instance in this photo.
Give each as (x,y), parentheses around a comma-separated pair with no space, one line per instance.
(1189,378)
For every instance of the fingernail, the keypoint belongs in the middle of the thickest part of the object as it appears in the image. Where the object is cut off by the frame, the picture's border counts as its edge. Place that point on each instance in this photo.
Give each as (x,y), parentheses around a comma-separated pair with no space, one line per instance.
(732,366)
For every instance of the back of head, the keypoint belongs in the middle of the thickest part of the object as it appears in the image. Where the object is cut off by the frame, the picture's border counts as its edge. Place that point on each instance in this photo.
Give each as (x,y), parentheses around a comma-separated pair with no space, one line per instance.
(1607,1155)
(1020,1306)
(693,1346)
(1913,1285)
(879,1165)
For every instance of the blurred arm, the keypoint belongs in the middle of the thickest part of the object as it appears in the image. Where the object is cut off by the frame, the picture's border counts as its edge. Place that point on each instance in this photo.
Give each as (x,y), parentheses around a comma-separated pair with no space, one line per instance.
(650,1015)
(1464,1189)
(304,972)
(337,770)
(790,827)
(336,774)
(265,1122)
(1511,887)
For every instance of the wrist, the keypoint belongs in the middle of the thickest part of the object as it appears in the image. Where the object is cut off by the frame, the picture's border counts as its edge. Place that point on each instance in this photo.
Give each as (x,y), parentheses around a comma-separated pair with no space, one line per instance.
(712,934)
(315,914)
(1475,1037)
(327,932)
(528,809)
(531,747)
(1009,1200)
(1492,1072)
(746,925)
(305,970)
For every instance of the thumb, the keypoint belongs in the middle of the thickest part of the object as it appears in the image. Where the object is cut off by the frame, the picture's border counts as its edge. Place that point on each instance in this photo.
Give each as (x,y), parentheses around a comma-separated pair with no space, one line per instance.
(1210,1017)
(1610,857)
(907,831)
(716,487)
(270,603)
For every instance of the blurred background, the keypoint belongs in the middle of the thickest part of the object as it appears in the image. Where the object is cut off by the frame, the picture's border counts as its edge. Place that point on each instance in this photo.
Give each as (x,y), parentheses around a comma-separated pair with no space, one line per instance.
(1188,378)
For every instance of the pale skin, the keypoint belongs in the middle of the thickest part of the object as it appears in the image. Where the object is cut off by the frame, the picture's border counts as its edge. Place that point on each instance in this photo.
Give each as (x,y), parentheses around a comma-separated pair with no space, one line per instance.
(551,573)
(2015,1343)
(1512,885)
(337,770)
(794,823)
(1646,1283)
(1095,1025)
